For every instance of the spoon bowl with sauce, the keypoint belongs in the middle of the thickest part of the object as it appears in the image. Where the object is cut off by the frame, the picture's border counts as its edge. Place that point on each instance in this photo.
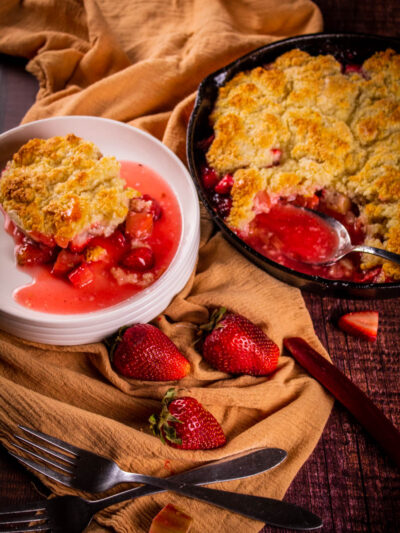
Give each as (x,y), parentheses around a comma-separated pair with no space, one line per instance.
(340,244)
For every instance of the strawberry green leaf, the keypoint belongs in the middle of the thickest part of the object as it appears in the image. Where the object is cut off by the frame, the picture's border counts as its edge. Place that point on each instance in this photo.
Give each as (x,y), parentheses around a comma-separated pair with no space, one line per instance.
(215,318)
(113,341)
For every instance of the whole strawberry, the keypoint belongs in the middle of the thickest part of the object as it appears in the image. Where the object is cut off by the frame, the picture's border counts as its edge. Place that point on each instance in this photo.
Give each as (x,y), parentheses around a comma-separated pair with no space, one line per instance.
(142,351)
(237,346)
(184,423)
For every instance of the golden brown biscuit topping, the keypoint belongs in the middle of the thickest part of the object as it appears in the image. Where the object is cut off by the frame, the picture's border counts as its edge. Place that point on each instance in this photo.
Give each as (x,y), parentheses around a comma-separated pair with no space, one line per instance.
(62,189)
(334,128)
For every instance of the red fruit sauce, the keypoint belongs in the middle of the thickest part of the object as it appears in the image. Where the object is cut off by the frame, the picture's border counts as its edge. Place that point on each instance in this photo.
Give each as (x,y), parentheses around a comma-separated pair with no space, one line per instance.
(289,236)
(50,294)
(297,234)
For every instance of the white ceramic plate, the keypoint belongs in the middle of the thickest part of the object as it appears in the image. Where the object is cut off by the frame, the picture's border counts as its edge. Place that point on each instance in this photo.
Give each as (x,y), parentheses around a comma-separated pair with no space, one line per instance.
(125,143)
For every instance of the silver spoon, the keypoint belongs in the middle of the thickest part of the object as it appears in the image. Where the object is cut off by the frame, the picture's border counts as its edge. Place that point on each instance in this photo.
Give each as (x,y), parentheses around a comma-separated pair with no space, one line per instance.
(344,245)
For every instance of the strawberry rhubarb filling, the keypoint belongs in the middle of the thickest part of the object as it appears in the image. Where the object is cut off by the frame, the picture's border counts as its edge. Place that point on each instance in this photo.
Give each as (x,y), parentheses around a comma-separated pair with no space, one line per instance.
(292,237)
(99,268)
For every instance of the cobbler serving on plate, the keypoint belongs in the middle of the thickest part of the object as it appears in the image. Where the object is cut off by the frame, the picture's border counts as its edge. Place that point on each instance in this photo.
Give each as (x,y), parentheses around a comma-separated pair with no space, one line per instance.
(86,223)
(309,131)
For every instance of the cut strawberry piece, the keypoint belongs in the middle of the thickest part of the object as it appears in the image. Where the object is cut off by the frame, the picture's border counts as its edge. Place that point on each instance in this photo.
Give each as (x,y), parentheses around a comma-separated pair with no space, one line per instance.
(170,520)
(222,204)
(65,262)
(141,258)
(116,245)
(350,69)
(225,185)
(139,225)
(362,324)
(154,207)
(276,156)
(210,178)
(29,253)
(118,240)
(81,276)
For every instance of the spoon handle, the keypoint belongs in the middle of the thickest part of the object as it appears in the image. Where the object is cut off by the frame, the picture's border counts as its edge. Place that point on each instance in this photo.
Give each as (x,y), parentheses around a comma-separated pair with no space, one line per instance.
(390,256)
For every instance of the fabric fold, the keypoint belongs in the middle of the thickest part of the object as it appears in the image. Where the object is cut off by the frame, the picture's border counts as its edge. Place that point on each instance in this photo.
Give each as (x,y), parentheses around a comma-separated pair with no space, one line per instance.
(141,62)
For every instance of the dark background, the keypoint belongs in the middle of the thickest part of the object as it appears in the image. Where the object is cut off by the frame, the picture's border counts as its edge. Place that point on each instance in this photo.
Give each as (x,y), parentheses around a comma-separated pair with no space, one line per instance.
(348,480)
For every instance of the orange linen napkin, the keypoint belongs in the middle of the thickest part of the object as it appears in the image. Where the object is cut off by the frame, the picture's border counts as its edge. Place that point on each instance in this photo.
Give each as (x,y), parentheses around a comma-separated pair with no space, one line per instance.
(139,62)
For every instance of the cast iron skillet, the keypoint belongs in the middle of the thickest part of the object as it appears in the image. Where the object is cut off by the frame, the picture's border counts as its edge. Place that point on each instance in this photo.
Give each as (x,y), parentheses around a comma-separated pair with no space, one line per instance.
(348,49)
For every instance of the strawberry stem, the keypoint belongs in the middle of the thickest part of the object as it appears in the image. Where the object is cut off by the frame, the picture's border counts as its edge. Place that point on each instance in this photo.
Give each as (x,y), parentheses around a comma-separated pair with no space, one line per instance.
(160,424)
(113,341)
(215,319)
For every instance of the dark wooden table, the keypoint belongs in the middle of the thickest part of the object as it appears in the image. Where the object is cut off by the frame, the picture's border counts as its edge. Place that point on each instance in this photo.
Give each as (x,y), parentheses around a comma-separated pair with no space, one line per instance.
(347,480)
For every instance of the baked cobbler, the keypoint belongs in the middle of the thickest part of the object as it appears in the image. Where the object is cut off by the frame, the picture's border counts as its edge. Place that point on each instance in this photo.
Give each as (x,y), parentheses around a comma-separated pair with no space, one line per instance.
(73,214)
(309,131)
(62,190)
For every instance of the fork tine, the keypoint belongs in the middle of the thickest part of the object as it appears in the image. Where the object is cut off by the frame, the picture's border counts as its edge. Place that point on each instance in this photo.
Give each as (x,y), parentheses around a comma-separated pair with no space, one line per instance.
(21,518)
(34,506)
(24,529)
(56,464)
(48,472)
(59,455)
(52,440)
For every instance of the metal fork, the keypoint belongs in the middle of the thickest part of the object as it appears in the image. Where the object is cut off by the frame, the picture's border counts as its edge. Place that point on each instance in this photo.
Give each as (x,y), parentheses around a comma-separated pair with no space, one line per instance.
(267,510)
(90,472)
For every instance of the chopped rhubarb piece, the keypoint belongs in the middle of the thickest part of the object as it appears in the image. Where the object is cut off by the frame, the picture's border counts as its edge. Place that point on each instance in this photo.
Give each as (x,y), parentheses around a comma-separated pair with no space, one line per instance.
(368,276)
(139,225)
(65,262)
(362,324)
(19,237)
(79,243)
(44,239)
(311,202)
(171,520)
(262,202)
(225,185)
(140,258)
(210,178)
(29,253)
(336,201)
(81,276)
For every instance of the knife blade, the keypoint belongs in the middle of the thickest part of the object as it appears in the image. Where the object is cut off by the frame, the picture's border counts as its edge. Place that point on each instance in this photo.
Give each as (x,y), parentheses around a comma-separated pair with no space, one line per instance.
(348,394)
(268,510)
(236,467)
